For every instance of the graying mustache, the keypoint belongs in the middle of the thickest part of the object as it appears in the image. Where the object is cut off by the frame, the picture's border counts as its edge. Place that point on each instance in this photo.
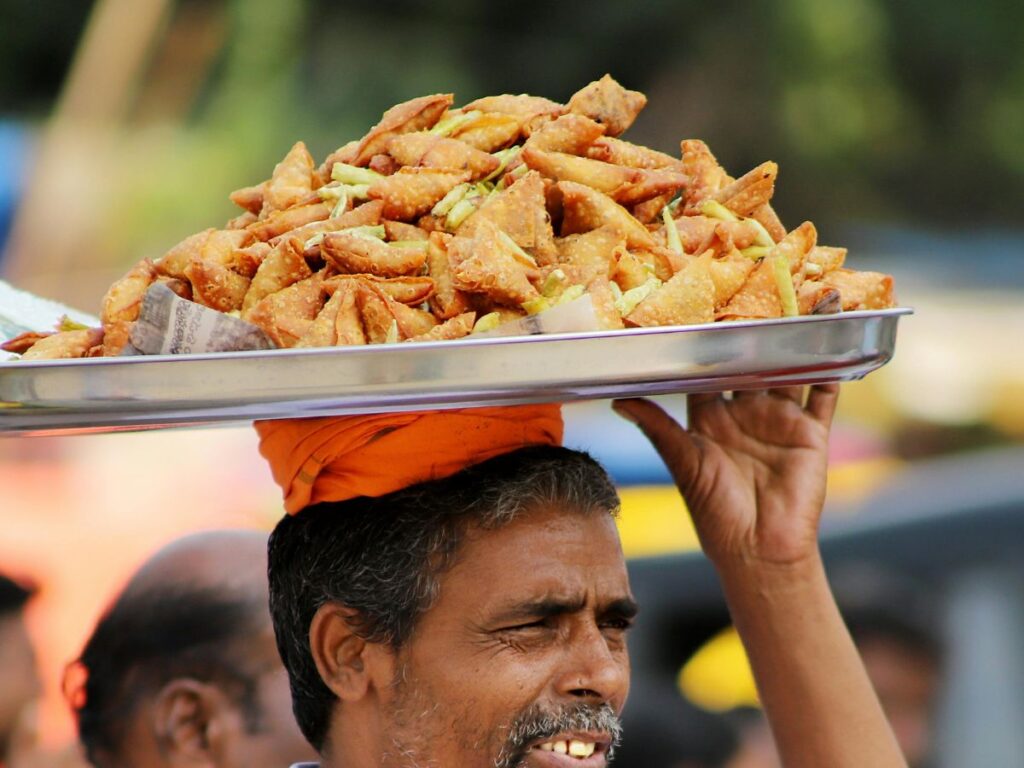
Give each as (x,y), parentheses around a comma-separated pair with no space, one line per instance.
(536,724)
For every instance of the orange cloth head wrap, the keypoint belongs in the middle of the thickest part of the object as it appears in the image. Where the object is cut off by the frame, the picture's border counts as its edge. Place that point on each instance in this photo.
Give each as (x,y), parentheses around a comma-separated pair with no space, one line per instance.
(342,457)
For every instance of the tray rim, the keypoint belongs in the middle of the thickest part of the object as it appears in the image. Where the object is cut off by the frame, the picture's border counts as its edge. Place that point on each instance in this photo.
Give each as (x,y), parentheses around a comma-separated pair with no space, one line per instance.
(106,413)
(424,347)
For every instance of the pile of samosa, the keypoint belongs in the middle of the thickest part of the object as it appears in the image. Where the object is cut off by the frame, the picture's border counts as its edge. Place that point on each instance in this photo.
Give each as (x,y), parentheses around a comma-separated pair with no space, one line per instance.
(442,222)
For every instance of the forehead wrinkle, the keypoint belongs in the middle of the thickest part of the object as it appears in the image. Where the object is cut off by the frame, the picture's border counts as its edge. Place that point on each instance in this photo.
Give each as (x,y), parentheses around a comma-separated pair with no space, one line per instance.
(548,554)
(546,539)
(542,606)
(556,602)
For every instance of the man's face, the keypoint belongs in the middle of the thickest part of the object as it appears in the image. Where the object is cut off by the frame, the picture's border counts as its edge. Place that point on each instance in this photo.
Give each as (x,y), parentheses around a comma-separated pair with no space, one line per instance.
(20,681)
(522,661)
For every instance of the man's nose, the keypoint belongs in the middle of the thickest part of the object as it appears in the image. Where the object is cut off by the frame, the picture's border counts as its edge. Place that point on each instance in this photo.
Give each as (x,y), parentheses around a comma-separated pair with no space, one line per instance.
(592,669)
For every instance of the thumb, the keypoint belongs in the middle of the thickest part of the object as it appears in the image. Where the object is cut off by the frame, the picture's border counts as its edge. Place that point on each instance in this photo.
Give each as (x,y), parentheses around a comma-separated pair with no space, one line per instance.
(672,442)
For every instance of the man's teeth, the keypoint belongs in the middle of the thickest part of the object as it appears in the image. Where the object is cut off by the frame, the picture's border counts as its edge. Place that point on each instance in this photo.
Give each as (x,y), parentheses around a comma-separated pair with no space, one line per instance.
(573,747)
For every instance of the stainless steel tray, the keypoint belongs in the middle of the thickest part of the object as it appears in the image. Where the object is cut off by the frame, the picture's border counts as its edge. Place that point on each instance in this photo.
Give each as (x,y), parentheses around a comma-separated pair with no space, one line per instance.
(130,393)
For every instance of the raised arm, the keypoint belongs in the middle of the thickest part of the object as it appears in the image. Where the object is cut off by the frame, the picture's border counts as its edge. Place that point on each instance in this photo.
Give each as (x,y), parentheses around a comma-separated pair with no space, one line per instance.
(752,470)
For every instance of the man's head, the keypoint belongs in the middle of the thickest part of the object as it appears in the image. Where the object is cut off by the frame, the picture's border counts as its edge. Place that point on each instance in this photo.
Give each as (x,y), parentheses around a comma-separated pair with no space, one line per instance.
(477,620)
(17,660)
(182,669)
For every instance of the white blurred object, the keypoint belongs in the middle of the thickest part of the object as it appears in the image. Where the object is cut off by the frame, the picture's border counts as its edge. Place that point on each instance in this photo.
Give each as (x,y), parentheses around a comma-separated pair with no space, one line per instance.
(959,350)
(21,311)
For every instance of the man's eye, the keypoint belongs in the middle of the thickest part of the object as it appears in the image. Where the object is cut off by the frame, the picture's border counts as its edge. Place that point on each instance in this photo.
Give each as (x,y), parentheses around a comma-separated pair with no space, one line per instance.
(539,624)
(619,624)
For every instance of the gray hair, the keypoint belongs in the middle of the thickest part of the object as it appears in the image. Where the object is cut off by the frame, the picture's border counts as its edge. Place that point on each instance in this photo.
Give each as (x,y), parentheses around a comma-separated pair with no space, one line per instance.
(382,557)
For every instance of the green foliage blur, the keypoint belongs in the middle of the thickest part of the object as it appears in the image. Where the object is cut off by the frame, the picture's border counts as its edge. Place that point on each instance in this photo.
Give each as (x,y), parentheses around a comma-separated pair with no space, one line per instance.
(909,113)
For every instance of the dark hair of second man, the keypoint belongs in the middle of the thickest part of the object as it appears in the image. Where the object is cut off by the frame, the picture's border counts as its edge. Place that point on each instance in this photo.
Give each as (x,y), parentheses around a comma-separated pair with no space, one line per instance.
(149,638)
(383,556)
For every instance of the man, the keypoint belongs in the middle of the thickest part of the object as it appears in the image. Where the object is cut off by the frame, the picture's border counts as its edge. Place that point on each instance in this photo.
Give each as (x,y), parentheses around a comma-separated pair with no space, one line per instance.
(480,619)
(20,681)
(182,669)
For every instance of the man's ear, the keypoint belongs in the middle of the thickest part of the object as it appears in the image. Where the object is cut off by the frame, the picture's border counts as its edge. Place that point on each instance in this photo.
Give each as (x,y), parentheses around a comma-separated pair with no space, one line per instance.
(186,717)
(348,664)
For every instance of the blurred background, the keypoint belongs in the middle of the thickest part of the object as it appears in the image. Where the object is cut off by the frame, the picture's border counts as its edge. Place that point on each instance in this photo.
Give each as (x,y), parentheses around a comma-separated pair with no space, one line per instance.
(898,128)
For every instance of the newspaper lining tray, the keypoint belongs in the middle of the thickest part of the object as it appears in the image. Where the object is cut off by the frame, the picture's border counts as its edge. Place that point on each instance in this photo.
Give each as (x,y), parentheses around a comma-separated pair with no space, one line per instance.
(130,393)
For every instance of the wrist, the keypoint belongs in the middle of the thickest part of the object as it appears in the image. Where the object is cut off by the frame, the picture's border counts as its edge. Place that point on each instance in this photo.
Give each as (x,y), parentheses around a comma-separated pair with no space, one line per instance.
(754,577)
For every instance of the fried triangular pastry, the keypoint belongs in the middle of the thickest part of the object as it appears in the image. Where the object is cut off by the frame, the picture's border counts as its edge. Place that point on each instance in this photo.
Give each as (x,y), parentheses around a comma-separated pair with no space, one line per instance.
(825,259)
(630,271)
(24,341)
(814,298)
(348,325)
(591,253)
(750,191)
(356,254)
(532,111)
(176,260)
(291,181)
(406,290)
(280,222)
(124,298)
(346,154)
(379,322)
(250,198)
(448,301)
(282,267)
(659,262)
(651,183)
(67,345)
(705,175)
(729,273)
(286,316)
(603,300)
(604,177)
(647,211)
(493,269)
(454,328)
(216,286)
(322,332)
(769,219)
(570,133)
(412,192)
(584,209)
(414,115)
(490,131)
(220,246)
(606,102)
(245,261)
(861,290)
(689,297)
(759,297)
(429,151)
(365,215)
(612,150)
(520,211)
(401,232)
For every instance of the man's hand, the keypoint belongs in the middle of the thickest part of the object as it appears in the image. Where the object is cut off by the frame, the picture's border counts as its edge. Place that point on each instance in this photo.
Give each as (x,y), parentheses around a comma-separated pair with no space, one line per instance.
(752,469)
